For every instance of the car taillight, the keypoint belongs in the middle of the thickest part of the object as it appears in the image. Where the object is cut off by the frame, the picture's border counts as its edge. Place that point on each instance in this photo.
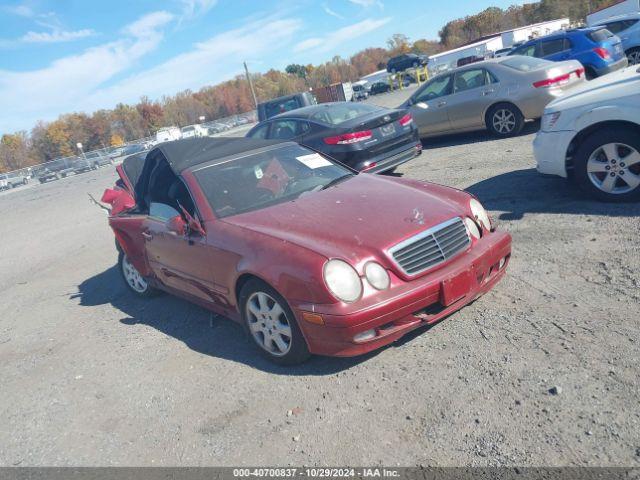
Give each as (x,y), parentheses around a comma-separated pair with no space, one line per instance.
(580,72)
(348,138)
(602,53)
(553,82)
(406,120)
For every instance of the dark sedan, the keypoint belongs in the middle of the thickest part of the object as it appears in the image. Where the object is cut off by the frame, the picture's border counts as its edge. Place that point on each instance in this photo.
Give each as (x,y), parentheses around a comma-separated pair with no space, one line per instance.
(364,137)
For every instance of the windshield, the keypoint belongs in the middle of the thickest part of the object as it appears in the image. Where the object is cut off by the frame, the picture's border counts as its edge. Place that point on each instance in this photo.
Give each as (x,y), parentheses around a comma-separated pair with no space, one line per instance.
(343,112)
(268,178)
(524,64)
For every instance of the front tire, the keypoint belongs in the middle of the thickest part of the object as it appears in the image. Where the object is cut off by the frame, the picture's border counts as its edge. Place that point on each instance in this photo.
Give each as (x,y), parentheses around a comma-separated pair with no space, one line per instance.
(633,55)
(607,165)
(133,279)
(505,120)
(271,324)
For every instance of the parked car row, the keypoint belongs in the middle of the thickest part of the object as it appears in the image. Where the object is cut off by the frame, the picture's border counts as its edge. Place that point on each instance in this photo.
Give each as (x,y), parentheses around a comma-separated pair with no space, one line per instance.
(12,180)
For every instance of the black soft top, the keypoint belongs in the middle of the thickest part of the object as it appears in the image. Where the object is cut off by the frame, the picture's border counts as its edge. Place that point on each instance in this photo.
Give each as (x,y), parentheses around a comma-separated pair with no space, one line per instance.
(189,152)
(180,155)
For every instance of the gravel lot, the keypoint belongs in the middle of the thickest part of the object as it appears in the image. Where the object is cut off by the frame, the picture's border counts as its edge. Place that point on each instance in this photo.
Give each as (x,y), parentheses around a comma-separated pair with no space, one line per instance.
(543,370)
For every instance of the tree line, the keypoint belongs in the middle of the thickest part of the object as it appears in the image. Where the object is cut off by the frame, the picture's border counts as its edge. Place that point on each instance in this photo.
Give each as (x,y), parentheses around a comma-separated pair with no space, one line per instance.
(112,127)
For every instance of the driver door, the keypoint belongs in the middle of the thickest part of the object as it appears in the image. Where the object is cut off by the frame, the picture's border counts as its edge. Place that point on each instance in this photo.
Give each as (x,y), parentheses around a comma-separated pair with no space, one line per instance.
(429,106)
(181,262)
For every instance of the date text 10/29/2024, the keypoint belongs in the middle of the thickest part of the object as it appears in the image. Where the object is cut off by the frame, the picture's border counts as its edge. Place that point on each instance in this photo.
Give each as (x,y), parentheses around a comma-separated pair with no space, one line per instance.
(373,472)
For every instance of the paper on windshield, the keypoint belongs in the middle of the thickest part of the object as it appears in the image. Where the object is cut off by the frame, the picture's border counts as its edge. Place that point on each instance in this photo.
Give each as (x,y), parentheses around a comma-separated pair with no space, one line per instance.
(314,161)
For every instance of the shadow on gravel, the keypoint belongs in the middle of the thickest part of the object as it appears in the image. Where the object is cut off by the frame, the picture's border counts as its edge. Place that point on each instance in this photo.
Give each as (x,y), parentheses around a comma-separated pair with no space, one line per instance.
(196,327)
(526,191)
(480,136)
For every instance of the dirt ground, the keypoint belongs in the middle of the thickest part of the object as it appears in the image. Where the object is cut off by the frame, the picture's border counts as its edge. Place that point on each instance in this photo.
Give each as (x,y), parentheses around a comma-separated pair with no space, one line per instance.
(543,370)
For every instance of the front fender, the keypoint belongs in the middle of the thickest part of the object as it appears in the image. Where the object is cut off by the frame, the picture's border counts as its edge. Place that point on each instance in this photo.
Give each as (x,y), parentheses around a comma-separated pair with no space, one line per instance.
(606,113)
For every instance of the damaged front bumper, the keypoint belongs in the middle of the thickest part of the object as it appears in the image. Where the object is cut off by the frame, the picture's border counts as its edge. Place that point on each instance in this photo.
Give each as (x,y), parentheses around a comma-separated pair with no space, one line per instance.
(423,301)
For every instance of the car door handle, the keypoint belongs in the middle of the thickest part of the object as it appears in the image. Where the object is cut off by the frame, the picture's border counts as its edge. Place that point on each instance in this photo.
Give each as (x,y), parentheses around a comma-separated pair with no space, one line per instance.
(147,235)
(488,92)
(442,104)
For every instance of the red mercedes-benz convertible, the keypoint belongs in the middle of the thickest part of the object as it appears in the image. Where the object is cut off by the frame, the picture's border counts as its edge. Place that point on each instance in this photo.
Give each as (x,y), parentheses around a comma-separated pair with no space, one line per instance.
(311,257)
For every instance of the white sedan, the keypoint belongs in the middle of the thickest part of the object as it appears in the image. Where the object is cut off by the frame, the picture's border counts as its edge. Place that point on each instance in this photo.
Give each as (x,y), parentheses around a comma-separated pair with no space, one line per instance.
(592,135)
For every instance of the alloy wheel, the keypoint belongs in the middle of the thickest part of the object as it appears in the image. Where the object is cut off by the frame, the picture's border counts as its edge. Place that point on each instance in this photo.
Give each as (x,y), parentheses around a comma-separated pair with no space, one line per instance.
(634,57)
(269,324)
(133,277)
(504,121)
(614,168)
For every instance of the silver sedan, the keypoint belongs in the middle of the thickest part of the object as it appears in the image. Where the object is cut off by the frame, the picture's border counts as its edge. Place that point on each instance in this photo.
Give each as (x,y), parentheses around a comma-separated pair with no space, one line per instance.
(497,94)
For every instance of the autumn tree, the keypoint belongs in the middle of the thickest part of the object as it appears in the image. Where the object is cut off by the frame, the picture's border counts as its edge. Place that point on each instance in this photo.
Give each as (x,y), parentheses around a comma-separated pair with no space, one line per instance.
(14,151)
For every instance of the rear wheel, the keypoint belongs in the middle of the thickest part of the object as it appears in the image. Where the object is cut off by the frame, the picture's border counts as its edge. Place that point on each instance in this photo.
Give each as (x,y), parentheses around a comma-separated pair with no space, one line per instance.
(607,165)
(633,55)
(505,120)
(271,324)
(133,279)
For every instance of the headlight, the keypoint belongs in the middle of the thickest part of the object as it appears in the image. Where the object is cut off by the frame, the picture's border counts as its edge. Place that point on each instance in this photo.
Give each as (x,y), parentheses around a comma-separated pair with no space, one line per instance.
(342,280)
(480,214)
(377,276)
(472,228)
(549,121)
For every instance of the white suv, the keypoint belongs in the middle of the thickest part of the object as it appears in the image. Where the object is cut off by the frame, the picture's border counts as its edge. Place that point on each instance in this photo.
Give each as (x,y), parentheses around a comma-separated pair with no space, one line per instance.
(627,27)
(592,135)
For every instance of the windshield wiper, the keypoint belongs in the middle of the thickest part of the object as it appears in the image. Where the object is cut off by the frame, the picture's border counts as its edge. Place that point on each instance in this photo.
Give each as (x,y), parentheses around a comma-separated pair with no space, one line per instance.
(337,180)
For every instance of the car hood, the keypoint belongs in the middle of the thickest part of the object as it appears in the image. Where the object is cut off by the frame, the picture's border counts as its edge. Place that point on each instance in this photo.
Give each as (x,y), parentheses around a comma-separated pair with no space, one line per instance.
(357,219)
(613,86)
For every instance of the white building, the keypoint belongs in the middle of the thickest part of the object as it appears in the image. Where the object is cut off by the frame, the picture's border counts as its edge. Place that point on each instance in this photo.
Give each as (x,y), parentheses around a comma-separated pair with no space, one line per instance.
(485,47)
(448,60)
(620,8)
(523,34)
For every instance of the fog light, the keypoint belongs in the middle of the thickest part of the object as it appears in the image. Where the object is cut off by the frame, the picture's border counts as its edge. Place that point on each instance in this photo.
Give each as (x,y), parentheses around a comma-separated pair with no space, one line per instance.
(364,336)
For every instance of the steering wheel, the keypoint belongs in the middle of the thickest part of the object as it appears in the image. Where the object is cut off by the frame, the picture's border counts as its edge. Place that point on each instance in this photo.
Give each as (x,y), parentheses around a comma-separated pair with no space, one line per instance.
(264,194)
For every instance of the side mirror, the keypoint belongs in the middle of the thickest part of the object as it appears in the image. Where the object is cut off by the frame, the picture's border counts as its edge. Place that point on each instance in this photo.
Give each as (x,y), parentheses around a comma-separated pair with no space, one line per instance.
(177,225)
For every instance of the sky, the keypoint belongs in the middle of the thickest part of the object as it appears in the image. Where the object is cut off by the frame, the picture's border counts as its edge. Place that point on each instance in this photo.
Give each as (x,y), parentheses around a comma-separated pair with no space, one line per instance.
(61,56)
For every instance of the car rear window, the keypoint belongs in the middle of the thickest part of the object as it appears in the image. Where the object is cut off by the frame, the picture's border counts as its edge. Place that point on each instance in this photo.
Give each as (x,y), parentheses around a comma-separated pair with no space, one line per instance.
(281,106)
(343,112)
(600,35)
(524,64)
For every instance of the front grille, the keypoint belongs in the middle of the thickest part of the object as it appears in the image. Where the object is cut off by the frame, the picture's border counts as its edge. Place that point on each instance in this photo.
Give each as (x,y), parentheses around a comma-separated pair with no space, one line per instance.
(431,247)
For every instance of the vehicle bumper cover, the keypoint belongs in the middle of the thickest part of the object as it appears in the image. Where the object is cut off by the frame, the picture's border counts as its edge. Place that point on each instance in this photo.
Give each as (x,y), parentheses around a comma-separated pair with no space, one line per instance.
(622,63)
(382,164)
(550,150)
(477,272)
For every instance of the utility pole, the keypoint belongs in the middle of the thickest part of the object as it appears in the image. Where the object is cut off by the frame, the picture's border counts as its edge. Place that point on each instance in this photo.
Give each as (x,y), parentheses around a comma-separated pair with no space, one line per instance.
(253,92)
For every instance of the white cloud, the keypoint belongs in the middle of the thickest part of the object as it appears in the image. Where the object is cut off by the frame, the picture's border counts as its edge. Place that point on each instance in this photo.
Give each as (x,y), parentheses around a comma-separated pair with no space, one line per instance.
(20,10)
(328,11)
(368,3)
(63,85)
(209,62)
(80,82)
(195,8)
(335,39)
(56,36)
